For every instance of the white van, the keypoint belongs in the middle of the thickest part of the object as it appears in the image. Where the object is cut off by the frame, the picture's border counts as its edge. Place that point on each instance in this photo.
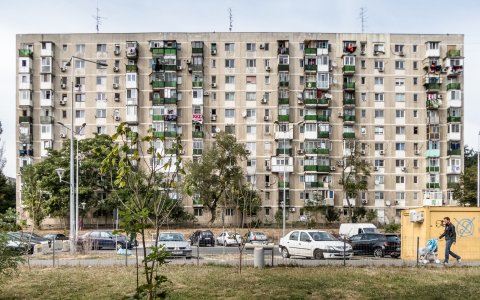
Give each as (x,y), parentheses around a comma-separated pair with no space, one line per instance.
(350,229)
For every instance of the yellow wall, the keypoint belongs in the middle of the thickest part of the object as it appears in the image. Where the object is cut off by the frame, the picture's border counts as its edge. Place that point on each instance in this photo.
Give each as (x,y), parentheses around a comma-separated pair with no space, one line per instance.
(467,226)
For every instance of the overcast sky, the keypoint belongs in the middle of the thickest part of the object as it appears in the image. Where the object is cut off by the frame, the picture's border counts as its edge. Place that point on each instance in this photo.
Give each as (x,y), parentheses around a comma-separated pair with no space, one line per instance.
(405,16)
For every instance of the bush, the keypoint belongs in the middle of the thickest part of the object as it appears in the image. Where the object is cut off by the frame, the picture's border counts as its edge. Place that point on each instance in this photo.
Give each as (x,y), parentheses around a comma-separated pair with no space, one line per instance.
(392,227)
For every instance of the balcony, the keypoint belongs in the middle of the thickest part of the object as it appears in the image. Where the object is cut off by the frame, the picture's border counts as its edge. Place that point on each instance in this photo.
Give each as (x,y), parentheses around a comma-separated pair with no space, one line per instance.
(432,104)
(131,68)
(170,100)
(432,87)
(323,134)
(283,101)
(433,185)
(283,118)
(161,134)
(454,86)
(25,138)
(197,50)
(310,118)
(283,83)
(313,185)
(157,84)
(310,51)
(454,152)
(349,86)
(283,185)
(197,84)
(283,67)
(23,152)
(323,118)
(311,85)
(348,69)
(25,53)
(349,102)
(197,134)
(348,118)
(197,151)
(452,53)
(25,119)
(25,102)
(157,117)
(432,169)
(284,151)
(310,68)
(46,120)
(454,119)
(432,153)
(349,135)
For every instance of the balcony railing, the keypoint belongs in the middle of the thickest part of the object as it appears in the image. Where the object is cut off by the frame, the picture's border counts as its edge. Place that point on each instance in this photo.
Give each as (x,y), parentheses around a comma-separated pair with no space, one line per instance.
(25,53)
(453,53)
(454,86)
(46,119)
(457,152)
(349,102)
(197,151)
(284,151)
(349,135)
(432,104)
(432,86)
(282,67)
(283,83)
(349,85)
(348,69)
(283,101)
(323,134)
(310,117)
(323,118)
(310,51)
(310,68)
(283,118)
(25,119)
(197,50)
(454,119)
(131,68)
(348,118)
(157,117)
(434,169)
(433,185)
(323,168)
(197,84)
(283,184)
(157,84)
(197,134)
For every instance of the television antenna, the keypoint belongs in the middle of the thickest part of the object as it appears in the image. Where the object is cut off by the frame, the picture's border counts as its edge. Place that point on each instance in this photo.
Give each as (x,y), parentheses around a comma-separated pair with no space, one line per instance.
(363,17)
(230,16)
(98,19)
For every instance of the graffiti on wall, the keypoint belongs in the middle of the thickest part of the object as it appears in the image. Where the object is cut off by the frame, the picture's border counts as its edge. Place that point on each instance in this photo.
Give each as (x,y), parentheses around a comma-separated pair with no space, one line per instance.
(465,227)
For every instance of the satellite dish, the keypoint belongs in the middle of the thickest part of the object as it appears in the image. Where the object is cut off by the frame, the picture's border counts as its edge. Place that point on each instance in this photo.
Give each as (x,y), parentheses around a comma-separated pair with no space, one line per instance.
(217,130)
(244,114)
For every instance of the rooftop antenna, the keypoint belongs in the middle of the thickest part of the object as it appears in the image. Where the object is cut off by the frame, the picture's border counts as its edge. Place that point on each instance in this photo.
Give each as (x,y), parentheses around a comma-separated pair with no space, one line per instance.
(98,19)
(363,17)
(230,15)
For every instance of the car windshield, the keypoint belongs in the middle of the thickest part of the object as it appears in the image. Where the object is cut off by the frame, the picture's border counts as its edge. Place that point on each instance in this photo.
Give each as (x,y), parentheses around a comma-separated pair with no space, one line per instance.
(321,236)
(207,233)
(173,237)
(369,230)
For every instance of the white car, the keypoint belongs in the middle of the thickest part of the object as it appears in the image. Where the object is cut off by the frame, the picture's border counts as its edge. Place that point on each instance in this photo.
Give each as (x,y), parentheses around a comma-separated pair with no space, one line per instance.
(316,244)
(229,238)
(176,244)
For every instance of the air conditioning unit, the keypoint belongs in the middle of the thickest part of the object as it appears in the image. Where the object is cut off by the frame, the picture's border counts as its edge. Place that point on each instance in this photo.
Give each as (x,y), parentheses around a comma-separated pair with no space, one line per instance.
(248,151)
(63,69)
(377,182)
(116,69)
(63,135)
(179,68)
(262,46)
(396,202)
(188,61)
(417,152)
(115,85)
(63,85)
(268,69)
(214,134)
(387,202)
(362,152)
(213,85)
(382,152)
(213,117)
(264,101)
(117,118)
(375,169)
(404,169)
(300,101)
(206,94)
(214,52)
(332,168)
(400,53)
(292,209)
(244,114)
(63,102)
(266,118)
(116,52)
(380,69)
(439,96)
(300,151)
(364,201)
(445,70)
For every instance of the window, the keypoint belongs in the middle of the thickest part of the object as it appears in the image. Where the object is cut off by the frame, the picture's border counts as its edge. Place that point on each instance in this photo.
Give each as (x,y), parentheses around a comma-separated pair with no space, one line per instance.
(101,96)
(379,113)
(415,179)
(229,47)
(79,97)
(363,97)
(101,130)
(379,130)
(101,64)
(80,48)
(229,96)
(101,80)
(415,114)
(250,46)
(378,146)
(399,180)
(415,65)
(283,59)
(79,64)
(415,80)
(363,113)
(79,114)
(102,48)
(363,80)
(379,97)
(364,130)
(415,130)
(213,63)
(251,63)
(415,97)
(378,48)
(414,48)
(251,96)
(433,45)
(399,163)
(400,146)
(379,179)
(229,63)
(229,79)
(229,113)
(378,80)
(251,129)
(400,113)
(399,97)
(267,80)
(398,48)
(399,81)
(378,64)
(400,130)
(251,113)
(198,211)
(399,65)
(251,79)
(362,64)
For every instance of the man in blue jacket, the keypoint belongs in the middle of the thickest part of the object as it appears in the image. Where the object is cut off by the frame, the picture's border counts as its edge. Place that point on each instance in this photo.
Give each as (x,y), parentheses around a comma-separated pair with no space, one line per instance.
(450,238)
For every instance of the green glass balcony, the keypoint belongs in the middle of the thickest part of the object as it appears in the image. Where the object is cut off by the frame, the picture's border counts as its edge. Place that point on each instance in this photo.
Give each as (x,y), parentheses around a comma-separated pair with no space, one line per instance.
(348,118)
(323,102)
(310,117)
(46,119)
(348,101)
(131,68)
(452,185)
(457,152)
(283,118)
(197,134)
(284,151)
(283,84)
(453,53)
(454,119)
(323,134)
(197,50)
(310,68)
(158,101)
(170,100)
(283,101)
(157,117)
(349,85)
(454,86)
(310,185)
(197,84)
(432,104)
(311,85)
(159,134)
(433,185)
(170,133)
(25,119)
(310,51)
(348,69)
(311,168)
(323,118)
(283,185)
(170,67)
(283,67)
(433,169)
(170,84)
(197,151)
(349,135)
(171,51)
(25,53)
(432,86)
(310,101)
(156,84)
(323,151)
(323,169)
(157,51)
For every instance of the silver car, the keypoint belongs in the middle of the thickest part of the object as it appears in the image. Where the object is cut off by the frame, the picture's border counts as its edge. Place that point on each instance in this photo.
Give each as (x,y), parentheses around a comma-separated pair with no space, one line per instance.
(176,244)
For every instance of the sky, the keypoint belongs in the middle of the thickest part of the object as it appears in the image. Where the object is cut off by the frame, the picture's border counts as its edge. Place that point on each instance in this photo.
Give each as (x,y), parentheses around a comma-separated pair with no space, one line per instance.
(70,16)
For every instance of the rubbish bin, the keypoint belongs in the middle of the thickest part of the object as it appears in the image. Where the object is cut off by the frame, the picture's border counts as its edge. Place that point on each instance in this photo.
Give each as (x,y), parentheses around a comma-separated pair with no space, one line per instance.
(258,257)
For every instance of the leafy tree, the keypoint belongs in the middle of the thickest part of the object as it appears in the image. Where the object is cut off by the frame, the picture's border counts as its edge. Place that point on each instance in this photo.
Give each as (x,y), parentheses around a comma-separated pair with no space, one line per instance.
(371,215)
(7,189)
(331,214)
(246,201)
(210,176)
(392,227)
(470,157)
(9,259)
(465,191)
(358,214)
(355,173)
(32,194)
(144,189)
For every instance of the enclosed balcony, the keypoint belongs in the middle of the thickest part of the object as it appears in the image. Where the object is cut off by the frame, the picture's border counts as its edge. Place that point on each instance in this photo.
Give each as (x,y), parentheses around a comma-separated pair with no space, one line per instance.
(283,118)
(311,68)
(454,53)
(311,85)
(25,152)
(282,164)
(454,86)
(284,151)
(131,68)
(161,134)
(132,49)
(323,134)
(197,84)
(197,134)
(454,152)
(452,119)
(348,119)
(349,86)
(46,120)
(25,119)
(349,135)
(348,69)
(25,53)
(197,48)
(432,169)
(433,104)
(433,185)
(348,101)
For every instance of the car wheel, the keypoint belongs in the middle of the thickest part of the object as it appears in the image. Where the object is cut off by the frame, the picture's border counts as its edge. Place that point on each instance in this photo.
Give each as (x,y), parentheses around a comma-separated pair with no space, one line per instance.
(225,244)
(285,253)
(378,252)
(318,254)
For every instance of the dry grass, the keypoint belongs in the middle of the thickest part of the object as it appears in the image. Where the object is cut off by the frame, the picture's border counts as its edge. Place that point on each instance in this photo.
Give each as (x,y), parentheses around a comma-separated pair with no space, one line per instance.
(213,282)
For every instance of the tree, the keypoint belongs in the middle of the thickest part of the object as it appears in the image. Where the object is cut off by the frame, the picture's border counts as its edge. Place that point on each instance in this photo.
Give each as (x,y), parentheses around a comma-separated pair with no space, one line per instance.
(331,214)
(7,189)
(209,177)
(470,157)
(146,190)
(246,201)
(355,173)
(9,258)
(465,191)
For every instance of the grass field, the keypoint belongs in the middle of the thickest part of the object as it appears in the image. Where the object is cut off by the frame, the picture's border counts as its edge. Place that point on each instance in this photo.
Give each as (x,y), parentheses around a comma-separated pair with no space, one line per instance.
(216,282)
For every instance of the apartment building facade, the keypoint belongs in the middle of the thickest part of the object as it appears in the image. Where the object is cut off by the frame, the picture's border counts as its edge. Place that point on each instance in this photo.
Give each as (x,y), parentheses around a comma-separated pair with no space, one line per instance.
(298,101)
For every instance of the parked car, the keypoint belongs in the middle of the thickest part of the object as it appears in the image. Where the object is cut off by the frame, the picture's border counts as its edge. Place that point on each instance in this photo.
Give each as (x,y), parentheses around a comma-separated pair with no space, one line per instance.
(176,244)
(348,230)
(375,244)
(104,239)
(256,237)
(56,236)
(15,245)
(202,238)
(229,239)
(28,240)
(316,244)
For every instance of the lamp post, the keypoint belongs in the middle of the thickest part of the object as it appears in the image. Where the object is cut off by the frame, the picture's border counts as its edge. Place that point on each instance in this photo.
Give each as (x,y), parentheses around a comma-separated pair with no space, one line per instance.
(478,171)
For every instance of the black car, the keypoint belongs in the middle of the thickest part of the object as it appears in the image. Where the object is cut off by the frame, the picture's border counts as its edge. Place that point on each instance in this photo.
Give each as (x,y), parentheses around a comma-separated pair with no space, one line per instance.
(104,239)
(375,244)
(56,236)
(202,238)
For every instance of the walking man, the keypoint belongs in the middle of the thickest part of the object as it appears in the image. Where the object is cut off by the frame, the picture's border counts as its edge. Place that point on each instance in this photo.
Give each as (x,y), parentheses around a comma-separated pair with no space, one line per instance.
(450,238)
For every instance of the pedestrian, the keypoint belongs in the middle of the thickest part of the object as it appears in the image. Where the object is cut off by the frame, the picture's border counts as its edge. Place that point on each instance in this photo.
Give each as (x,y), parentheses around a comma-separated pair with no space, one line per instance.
(450,239)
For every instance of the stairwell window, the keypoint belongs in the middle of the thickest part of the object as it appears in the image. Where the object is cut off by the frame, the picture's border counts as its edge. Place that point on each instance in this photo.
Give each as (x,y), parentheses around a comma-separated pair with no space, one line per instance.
(101,48)
(251,46)
(229,47)
(399,65)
